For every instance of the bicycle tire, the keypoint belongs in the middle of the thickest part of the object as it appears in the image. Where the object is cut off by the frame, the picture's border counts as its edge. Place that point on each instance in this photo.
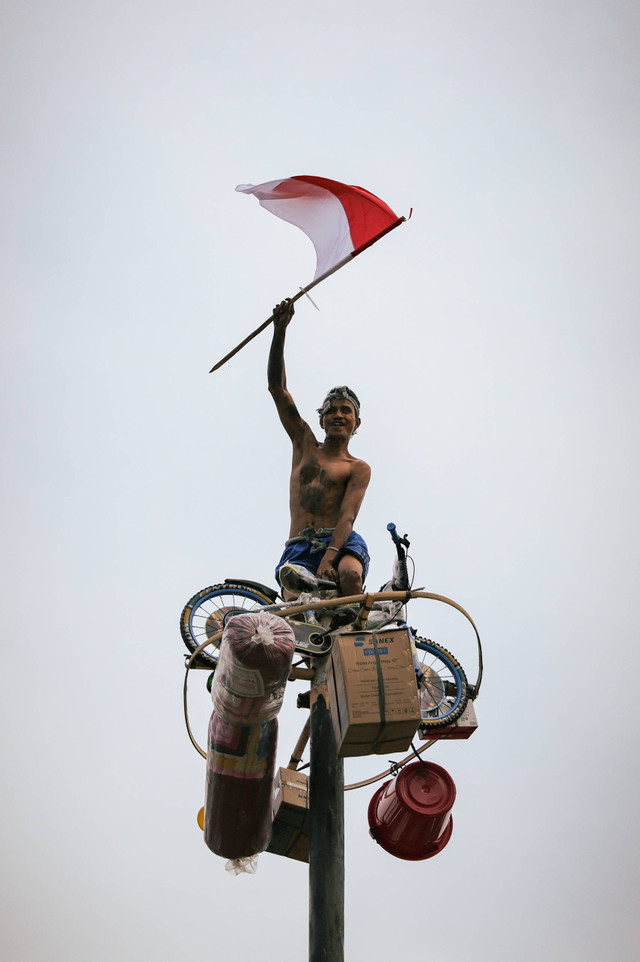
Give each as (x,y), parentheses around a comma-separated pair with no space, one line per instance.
(204,613)
(444,690)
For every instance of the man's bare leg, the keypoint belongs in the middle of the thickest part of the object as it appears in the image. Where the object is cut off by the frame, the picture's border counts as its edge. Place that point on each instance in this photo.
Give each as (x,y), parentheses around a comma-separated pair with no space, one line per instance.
(350,575)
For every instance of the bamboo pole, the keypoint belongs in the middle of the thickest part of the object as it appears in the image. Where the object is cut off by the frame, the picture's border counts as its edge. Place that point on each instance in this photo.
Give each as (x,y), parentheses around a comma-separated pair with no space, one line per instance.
(301,744)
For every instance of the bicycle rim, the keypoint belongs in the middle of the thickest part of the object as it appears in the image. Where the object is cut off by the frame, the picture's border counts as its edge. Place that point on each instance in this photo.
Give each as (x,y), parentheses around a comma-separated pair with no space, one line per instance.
(443,686)
(204,615)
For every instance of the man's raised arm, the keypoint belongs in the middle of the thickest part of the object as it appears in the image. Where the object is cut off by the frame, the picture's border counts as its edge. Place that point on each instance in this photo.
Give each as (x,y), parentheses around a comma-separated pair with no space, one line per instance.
(277,379)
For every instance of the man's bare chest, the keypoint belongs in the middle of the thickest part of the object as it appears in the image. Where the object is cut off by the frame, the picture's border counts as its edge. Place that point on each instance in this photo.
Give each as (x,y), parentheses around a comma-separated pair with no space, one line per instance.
(319,471)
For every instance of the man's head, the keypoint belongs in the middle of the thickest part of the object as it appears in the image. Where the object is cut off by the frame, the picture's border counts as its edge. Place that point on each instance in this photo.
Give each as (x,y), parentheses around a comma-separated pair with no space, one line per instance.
(335,407)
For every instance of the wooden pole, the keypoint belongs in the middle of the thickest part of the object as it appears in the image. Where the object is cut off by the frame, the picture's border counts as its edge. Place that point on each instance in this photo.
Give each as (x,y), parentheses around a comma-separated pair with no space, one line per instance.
(266,323)
(332,270)
(326,803)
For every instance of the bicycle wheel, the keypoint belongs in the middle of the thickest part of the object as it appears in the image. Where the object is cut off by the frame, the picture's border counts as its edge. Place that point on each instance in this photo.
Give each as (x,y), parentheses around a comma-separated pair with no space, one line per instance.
(442,686)
(203,615)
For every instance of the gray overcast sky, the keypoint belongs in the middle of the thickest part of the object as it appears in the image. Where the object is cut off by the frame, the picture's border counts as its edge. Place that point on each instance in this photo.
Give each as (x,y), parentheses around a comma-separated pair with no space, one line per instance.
(493,342)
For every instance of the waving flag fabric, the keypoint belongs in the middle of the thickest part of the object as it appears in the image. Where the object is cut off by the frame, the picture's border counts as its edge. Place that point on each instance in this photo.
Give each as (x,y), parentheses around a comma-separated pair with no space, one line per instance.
(341,221)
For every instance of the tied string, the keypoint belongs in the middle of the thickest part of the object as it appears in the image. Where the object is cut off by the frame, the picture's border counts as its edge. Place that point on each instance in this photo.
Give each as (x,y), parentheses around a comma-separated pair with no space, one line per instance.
(263,635)
(419,757)
(381,695)
(309,298)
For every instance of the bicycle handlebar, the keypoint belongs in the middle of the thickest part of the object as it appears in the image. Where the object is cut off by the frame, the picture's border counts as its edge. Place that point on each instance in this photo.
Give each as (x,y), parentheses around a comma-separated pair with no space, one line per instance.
(397,540)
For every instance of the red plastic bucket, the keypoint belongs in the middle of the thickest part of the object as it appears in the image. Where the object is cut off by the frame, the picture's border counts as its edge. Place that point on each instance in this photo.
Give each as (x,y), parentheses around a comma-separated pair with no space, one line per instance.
(410,816)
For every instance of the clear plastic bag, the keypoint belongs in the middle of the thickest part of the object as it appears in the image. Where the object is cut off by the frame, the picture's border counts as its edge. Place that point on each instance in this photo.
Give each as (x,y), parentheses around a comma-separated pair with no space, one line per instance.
(256,652)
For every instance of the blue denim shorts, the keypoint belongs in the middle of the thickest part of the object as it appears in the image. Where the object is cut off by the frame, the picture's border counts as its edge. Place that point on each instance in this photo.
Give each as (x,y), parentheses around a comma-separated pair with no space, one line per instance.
(309,547)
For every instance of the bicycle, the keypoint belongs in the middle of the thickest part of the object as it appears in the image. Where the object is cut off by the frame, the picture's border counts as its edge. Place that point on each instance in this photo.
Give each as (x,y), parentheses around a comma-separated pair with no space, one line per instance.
(442,683)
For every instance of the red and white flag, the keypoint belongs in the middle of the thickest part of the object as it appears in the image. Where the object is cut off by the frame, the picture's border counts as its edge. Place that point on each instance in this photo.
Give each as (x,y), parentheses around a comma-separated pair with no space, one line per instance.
(341,221)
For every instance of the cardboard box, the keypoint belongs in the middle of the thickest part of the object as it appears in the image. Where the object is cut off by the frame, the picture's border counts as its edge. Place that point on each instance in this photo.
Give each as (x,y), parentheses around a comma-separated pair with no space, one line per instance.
(463,727)
(290,829)
(374,702)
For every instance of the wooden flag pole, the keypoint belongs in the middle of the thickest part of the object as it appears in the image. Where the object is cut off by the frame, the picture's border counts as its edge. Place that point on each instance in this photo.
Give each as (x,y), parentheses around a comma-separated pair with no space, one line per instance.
(304,290)
(251,336)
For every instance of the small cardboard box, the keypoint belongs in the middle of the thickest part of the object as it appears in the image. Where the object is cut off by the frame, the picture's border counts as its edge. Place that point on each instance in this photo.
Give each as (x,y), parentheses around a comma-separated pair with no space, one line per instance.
(463,727)
(374,702)
(290,829)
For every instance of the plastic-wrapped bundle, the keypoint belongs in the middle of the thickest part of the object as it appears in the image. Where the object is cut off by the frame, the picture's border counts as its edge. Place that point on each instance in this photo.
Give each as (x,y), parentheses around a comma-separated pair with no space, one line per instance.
(256,652)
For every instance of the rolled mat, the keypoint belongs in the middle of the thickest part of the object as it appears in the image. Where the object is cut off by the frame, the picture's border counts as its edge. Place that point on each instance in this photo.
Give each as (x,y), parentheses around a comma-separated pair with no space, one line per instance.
(256,652)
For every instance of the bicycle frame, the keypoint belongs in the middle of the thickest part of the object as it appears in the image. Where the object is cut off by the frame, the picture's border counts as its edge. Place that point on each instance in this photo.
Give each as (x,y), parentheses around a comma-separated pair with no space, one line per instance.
(398,590)
(365,601)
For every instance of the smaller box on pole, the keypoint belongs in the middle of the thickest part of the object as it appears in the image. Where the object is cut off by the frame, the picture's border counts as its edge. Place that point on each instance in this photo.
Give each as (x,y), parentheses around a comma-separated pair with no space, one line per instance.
(462,727)
(291,823)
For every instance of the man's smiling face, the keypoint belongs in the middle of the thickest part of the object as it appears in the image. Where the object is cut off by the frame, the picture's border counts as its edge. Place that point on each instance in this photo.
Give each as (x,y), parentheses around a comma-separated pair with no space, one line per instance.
(340,420)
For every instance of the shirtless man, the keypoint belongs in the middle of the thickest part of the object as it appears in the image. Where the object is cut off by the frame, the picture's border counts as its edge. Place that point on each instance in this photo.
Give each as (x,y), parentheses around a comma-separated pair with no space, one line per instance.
(327,482)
